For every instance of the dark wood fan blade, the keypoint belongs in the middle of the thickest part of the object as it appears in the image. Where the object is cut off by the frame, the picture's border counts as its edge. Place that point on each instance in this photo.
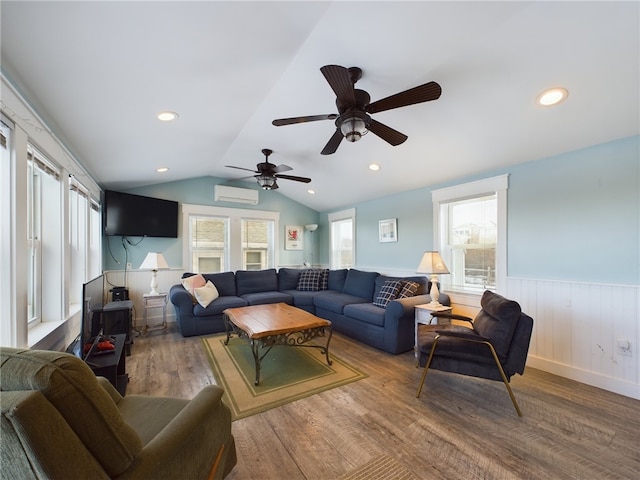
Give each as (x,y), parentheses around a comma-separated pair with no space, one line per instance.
(423,93)
(293,177)
(282,168)
(388,134)
(340,82)
(333,143)
(242,168)
(311,118)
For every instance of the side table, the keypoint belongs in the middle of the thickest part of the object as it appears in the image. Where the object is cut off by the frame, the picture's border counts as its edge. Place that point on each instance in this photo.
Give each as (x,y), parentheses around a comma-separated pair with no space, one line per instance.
(154,301)
(423,315)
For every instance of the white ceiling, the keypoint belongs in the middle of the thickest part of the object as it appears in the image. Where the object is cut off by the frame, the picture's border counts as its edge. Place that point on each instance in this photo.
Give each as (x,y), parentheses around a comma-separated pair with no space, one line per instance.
(99,72)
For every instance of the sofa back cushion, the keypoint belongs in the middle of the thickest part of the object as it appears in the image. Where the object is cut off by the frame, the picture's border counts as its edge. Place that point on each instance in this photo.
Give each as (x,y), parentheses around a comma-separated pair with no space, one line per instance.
(37,442)
(288,278)
(360,284)
(249,281)
(497,321)
(72,388)
(336,278)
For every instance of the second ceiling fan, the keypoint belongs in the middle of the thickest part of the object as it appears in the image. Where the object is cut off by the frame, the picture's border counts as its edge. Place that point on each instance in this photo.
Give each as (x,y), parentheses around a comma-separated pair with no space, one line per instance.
(267,173)
(353,119)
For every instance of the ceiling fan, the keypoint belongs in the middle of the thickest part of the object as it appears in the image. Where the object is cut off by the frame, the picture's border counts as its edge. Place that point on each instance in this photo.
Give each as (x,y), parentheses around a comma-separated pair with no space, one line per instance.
(268,173)
(353,120)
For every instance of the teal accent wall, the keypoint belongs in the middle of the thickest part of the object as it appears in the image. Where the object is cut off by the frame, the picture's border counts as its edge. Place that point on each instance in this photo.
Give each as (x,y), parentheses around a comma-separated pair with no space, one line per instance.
(574,217)
(199,191)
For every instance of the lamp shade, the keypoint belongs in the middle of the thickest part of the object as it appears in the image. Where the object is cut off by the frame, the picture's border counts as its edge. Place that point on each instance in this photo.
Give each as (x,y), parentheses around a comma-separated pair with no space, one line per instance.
(311,227)
(154,261)
(432,263)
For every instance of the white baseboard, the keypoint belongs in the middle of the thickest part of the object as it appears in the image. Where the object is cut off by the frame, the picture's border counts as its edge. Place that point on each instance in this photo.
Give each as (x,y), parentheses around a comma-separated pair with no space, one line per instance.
(610,384)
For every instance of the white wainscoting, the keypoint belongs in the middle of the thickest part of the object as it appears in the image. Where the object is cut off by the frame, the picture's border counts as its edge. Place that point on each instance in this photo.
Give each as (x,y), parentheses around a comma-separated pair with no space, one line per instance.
(576,328)
(138,282)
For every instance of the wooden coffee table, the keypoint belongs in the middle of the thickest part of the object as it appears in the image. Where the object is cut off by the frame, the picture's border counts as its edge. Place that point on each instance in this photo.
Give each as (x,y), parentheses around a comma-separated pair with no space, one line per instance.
(265,326)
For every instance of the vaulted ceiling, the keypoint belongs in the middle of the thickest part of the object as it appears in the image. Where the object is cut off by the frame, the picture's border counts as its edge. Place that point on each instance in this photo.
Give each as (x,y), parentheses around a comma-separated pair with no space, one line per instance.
(100,72)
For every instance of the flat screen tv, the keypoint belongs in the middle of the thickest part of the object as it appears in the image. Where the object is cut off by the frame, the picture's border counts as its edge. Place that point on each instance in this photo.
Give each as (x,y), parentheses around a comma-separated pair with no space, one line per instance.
(129,215)
(91,322)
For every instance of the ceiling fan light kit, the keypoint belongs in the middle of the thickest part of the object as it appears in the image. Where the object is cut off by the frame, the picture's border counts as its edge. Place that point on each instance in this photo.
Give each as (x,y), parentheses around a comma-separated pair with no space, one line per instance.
(353,120)
(354,127)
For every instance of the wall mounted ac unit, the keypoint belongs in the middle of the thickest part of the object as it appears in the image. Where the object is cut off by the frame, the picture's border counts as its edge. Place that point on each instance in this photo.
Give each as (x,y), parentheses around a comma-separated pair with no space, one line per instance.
(222,193)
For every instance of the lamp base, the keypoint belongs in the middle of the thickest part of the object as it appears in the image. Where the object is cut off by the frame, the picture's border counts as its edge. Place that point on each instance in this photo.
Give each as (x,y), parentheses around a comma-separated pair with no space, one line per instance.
(434,293)
(154,283)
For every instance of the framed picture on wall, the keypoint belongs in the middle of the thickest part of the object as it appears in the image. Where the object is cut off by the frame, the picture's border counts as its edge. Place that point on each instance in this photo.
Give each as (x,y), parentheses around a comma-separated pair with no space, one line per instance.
(293,237)
(388,230)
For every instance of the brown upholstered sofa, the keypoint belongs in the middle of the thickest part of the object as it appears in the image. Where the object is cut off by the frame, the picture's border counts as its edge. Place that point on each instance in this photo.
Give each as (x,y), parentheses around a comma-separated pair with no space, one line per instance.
(59,422)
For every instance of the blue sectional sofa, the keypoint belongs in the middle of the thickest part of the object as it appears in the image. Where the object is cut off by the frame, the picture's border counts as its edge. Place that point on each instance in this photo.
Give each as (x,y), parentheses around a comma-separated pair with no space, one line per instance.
(351,299)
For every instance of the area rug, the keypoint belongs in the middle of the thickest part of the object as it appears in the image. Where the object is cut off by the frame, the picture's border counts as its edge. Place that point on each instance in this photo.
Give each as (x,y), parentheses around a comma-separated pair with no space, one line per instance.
(286,374)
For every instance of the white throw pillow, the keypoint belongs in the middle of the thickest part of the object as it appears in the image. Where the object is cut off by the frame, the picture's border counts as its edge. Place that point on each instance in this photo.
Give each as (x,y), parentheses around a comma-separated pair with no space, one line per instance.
(207,294)
(192,282)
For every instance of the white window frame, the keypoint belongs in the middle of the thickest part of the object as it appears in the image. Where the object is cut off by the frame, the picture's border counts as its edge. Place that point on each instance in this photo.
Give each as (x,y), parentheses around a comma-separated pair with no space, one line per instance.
(498,185)
(48,235)
(235,216)
(349,214)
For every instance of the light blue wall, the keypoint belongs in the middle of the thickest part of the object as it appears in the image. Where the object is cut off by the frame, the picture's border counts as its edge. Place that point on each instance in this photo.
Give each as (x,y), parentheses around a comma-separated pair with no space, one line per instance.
(574,216)
(199,191)
(577,216)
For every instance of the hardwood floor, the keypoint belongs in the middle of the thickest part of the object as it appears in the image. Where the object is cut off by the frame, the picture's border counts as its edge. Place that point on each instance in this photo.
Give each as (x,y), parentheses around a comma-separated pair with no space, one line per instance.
(460,427)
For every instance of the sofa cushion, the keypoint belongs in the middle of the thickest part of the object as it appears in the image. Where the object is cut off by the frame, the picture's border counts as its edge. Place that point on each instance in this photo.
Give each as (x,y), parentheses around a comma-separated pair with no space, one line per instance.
(301,299)
(365,312)
(309,280)
(225,282)
(260,298)
(335,301)
(409,289)
(288,278)
(389,291)
(336,278)
(360,284)
(218,306)
(207,294)
(249,281)
(497,321)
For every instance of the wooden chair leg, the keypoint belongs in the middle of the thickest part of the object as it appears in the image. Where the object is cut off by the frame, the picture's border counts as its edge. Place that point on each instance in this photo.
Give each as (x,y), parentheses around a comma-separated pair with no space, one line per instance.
(216,463)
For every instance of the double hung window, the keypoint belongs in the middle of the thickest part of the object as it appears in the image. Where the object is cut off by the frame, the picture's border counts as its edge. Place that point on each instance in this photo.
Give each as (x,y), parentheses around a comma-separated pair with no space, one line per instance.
(470,233)
(84,238)
(228,239)
(44,239)
(343,246)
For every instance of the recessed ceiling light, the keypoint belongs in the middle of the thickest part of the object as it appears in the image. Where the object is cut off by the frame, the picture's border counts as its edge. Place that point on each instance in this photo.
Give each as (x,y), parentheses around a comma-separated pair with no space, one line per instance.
(162,169)
(311,192)
(167,116)
(552,96)
(374,167)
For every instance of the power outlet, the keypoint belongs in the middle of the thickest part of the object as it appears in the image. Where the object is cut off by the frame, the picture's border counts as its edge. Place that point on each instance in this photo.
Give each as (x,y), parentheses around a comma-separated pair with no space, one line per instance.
(128,265)
(623,347)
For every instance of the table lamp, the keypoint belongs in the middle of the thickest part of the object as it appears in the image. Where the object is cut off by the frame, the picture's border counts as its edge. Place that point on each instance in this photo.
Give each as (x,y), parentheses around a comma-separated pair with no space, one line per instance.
(432,264)
(154,261)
